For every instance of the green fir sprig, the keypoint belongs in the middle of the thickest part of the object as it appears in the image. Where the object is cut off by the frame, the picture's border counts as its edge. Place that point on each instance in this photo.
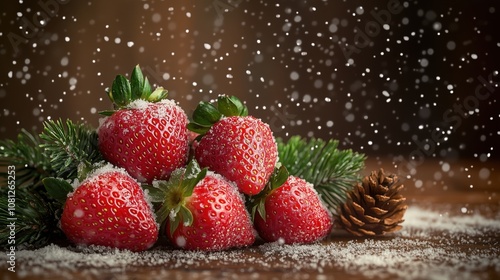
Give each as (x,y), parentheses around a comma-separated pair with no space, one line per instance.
(69,146)
(332,171)
(35,223)
(25,154)
(63,150)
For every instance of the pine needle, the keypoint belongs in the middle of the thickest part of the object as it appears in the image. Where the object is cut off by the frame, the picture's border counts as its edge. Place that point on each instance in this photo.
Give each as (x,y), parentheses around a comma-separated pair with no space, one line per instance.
(31,166)
(35,219)
(67,145)
(333,172)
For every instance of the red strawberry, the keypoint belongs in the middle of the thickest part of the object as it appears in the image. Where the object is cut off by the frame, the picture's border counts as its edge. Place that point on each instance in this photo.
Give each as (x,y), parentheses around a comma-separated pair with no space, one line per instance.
(239,147)
(204,211)
(192,138)
(149,142)
(109,209)
(292,212)
(147,135)
(193,142)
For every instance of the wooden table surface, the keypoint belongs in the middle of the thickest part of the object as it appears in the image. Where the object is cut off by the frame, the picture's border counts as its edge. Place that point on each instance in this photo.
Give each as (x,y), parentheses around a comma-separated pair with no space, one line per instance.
(419,251)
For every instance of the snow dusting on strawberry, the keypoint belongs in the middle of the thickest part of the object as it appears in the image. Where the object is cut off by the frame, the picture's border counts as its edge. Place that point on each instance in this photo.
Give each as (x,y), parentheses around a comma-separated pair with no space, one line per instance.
(149,143)
(204,211)
(146,137)
(109,209)
(248,156)
(220,219)
(210,183)
(294,213)
(242,148)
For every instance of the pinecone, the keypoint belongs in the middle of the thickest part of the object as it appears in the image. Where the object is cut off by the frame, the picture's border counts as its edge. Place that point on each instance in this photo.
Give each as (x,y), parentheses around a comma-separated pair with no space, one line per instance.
(374,207)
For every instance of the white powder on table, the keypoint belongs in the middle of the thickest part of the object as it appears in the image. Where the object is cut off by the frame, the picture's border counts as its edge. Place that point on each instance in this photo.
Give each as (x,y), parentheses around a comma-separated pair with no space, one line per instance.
(430,246)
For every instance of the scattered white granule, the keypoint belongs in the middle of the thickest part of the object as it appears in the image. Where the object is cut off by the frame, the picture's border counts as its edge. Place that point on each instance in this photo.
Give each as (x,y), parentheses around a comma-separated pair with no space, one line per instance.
(78,213)
(139,104)
(426,248)
(180,241)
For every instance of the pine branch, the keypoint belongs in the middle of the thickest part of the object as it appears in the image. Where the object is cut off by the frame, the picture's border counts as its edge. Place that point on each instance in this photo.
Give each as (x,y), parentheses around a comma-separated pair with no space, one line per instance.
(27,156)
(36,221)
(68,145)
(59,151)
(333,172)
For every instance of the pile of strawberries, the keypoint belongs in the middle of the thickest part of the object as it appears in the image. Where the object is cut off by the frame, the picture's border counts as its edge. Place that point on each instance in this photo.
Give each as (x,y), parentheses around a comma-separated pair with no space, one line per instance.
(212,182)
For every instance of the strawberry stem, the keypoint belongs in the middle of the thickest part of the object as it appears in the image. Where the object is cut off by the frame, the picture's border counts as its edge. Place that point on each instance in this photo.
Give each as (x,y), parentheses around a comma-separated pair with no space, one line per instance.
(176,190)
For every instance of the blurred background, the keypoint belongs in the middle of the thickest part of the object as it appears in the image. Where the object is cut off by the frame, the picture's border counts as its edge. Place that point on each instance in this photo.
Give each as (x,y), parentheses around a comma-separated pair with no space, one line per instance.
(411,84)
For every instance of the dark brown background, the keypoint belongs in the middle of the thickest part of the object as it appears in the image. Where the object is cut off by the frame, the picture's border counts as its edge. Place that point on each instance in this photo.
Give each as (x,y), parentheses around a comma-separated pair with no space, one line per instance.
(257,43)
(427,62)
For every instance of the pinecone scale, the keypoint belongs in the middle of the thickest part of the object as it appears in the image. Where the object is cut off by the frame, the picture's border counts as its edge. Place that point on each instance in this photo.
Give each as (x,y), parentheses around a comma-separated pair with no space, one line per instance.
(375,206)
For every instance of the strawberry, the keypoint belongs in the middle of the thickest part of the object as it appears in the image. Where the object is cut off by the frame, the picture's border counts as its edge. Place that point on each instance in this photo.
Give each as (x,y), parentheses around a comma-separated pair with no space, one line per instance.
(193,142)
(147,135)
(109,209)
(238,146)
(203,211)
(291,211)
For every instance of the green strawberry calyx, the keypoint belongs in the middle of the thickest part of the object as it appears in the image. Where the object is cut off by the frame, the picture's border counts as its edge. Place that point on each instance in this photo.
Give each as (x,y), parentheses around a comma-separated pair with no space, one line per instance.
(207,114)
(173,195)
(59,188)
(124,91)
(258,203)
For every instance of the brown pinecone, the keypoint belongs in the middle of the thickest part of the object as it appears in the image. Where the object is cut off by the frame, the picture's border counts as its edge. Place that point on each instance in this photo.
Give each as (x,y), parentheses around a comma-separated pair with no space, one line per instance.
(375,206)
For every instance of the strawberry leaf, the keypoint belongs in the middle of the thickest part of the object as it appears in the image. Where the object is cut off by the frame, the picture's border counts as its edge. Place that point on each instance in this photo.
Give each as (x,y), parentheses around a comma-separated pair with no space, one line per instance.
(157,95)
(257,203)
(174,223)
(192,176)
(206,114)
(231,106)
(181,213)
(175,191)
(187,216)
(198,128)
(155,193)
(162,215)
(261,209)
(57,188)
(107,112)
(121,92)
(242,109)
(279,177)
(140,87)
